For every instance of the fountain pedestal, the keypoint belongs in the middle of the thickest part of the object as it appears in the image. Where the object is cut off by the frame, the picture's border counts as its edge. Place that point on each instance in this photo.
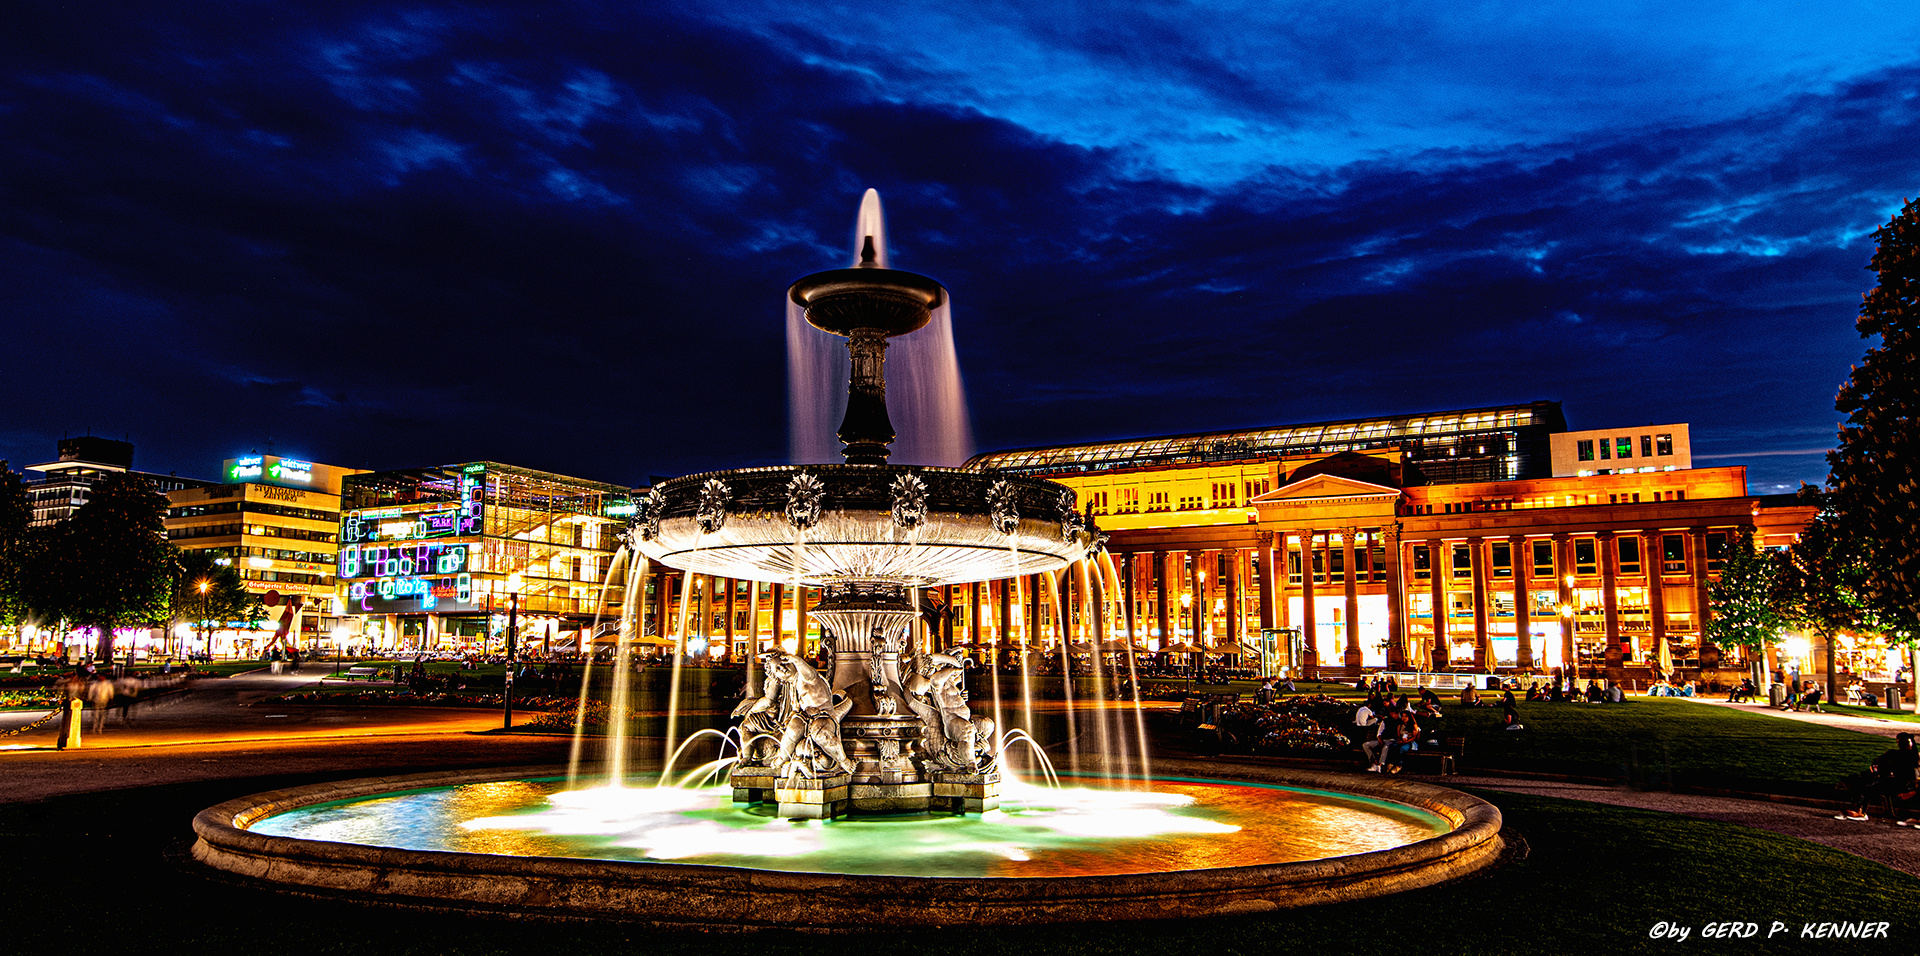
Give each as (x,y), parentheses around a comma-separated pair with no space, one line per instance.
(959,792)
(813,798)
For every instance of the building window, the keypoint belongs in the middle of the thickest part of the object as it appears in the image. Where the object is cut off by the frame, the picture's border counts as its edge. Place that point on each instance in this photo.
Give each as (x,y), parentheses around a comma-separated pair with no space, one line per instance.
(1629,548)
(1462,561)
(1502,559)
(1623,447)
(1585,557)
(1673,554)
(1584,448)
(1606,450)
(1663,444)
(1716,550)
(1543,559)
(1646,446)
(1422,563)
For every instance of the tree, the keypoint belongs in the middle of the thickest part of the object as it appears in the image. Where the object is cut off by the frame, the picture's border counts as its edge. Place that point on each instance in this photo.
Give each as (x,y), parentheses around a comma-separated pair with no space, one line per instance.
(1746,601)
(110,564)
(1873,479)
(15,548)
(1822,580)
(206,590)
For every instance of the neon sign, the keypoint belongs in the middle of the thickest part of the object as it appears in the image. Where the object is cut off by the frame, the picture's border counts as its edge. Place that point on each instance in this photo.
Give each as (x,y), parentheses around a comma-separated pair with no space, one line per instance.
(286,469)
(243,468)
(386,524)
(403,560)
(403,578)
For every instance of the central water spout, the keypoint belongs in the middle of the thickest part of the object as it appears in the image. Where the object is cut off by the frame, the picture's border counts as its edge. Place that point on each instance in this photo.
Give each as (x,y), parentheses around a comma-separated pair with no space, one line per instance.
(867,305)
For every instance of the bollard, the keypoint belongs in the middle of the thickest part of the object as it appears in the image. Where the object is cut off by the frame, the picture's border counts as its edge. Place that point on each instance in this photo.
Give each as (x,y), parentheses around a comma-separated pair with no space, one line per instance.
(71,723)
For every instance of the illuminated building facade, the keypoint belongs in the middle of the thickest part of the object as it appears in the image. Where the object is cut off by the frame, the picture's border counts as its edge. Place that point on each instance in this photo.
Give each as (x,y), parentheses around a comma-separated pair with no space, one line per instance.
(1375,524)
(433,557)
(275,520)
(67,479)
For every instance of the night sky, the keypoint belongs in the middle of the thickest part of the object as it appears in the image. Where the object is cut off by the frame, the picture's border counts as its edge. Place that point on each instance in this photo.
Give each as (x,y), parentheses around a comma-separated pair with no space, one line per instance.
(558,234)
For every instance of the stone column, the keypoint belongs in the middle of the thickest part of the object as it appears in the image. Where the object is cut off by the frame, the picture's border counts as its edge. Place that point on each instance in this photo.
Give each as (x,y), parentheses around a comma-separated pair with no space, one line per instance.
(1200,611)
(1129,596)
(1264,539)
(802,619)
(973,616)
(1236,607)
(1610,602)
(1483,658)
(1522,601)
(1569,650)
(1003,637)
(1157,579)
(1396,602)
(1310,663)
(729,612)
(1440,561)
(1353,654)
(1652,558)
(779,610)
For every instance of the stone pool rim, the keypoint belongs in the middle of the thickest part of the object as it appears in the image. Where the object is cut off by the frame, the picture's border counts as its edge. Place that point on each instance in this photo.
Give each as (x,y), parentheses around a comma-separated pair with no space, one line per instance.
(717,897)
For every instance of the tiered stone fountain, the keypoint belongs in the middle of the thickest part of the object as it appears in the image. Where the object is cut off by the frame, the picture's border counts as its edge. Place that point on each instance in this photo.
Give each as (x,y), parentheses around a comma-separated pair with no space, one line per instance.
(887,727)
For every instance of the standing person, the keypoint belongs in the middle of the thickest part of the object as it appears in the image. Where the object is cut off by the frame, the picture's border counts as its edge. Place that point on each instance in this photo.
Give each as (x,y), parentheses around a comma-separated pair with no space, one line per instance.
(100,694)
(1892,774)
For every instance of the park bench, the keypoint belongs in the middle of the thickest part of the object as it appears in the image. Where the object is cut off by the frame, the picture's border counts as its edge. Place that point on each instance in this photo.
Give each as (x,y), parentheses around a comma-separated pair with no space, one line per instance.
(1439,761)
(360,672)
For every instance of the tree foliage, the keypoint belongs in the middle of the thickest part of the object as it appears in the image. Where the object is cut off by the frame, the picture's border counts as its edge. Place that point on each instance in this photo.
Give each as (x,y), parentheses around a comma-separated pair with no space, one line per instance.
(1876,493)
(15,549)
(1822,583)
(110,564)
(1746,600)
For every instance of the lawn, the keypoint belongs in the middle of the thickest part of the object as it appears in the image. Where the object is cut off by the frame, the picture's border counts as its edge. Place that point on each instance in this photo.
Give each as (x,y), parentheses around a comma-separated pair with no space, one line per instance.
(1597,880)
(1655,742)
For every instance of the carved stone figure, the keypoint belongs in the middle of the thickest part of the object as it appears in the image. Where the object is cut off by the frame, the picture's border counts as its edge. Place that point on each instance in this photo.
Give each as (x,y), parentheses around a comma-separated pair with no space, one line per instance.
(805,493)
(909,502)
(711,514)
(954,738)
(807,715)
(1003,507)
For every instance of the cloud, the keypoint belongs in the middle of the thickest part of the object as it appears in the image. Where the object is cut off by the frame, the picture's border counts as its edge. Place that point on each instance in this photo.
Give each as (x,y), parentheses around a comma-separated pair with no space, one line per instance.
(562,239)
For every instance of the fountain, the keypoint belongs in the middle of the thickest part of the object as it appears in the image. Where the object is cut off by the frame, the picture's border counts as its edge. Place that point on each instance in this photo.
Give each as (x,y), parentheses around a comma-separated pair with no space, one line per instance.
(878,744)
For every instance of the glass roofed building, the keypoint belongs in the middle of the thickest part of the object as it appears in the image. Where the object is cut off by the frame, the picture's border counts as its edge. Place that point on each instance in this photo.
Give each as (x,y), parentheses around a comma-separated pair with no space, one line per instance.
(1501,443)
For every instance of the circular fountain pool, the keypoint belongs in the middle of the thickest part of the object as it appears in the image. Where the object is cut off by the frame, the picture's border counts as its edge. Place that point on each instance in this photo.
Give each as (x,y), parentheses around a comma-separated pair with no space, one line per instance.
(1189,847)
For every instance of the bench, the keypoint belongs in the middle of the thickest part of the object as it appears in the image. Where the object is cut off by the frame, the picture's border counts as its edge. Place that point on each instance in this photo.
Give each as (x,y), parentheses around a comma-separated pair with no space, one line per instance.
(359,673)
(1442,761)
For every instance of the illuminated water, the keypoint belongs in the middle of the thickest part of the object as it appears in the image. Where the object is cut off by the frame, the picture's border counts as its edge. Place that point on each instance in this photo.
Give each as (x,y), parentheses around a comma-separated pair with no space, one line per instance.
(1038,832)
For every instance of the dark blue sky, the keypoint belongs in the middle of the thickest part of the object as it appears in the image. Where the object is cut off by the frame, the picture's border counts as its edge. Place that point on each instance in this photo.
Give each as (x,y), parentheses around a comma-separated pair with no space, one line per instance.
(558,234)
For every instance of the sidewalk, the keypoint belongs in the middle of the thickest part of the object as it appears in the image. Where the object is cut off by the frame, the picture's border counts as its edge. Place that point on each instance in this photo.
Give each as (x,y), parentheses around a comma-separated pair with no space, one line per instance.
(231,709)
(1880,726)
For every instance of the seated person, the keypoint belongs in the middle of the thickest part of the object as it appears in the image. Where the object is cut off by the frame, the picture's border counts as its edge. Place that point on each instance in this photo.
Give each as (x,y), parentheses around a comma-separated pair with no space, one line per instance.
(1811,701)
(1470,697)
(1893,774)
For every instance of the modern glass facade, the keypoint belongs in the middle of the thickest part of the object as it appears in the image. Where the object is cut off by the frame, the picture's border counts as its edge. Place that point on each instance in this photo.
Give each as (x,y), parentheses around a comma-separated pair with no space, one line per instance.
(1501,443)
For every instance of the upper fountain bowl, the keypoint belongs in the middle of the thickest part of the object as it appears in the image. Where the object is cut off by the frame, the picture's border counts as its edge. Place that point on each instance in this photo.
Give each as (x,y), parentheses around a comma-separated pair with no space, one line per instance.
(832,524)
(886,301)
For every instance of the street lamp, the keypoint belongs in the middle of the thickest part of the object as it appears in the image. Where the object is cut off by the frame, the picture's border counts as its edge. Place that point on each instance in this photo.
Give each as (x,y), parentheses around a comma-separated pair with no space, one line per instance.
(513,632)
(201,585)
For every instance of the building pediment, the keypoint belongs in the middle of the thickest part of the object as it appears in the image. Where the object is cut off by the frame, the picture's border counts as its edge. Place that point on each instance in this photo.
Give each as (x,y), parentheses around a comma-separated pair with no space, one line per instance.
(1321,487)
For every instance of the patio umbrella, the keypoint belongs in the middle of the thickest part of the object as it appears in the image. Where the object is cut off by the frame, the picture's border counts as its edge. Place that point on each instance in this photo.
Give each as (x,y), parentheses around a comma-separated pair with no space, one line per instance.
(1183,649)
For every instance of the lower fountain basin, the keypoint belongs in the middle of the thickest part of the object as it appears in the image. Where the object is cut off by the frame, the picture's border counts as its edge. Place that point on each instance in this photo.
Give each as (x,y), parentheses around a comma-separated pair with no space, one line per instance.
(1170,875)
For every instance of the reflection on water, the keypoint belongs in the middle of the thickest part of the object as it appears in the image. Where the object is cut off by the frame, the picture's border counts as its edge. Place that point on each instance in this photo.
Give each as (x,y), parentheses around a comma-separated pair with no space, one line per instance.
(1036,832)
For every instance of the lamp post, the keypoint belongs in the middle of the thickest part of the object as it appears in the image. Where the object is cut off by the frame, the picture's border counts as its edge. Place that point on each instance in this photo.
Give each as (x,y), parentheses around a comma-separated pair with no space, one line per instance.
(201,586)
(513,632)
(1566,612)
